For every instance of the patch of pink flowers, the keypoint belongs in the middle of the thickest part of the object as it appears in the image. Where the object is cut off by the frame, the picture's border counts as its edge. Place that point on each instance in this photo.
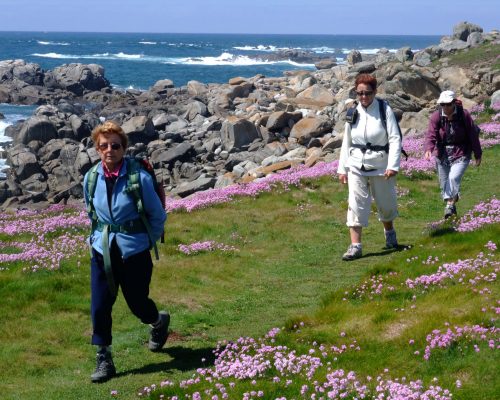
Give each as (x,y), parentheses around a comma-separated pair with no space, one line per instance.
(46,249)
(484,213)
(249,361)
(44,221)
(463,271)
(286,178)
(43,253)
(373,286)
(209,245)
(475,333)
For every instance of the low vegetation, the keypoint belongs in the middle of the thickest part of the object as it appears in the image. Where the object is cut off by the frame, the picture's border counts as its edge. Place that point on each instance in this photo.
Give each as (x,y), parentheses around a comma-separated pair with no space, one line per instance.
(262,305)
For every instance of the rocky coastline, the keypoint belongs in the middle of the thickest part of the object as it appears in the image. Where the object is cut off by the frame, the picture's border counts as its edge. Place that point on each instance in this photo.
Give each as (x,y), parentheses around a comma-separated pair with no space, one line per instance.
(201,136)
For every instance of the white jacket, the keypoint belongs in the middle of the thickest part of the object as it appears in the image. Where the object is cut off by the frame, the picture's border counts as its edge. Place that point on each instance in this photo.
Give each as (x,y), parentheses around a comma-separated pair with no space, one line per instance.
(369,128)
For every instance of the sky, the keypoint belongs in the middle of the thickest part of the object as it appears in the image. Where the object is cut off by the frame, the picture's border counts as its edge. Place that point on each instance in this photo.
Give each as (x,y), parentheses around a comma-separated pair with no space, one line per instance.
(411,17)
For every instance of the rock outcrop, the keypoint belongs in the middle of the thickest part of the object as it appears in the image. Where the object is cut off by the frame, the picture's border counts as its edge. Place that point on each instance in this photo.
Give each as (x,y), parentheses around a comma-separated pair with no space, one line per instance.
(201,136)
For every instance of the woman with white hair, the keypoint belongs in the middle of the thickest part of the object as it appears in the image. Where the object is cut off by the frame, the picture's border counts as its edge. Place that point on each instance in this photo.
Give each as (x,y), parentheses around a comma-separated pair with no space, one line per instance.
(451,138)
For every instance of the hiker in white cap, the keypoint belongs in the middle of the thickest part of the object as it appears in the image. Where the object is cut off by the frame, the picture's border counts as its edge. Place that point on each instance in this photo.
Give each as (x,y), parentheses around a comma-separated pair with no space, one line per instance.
(451,138)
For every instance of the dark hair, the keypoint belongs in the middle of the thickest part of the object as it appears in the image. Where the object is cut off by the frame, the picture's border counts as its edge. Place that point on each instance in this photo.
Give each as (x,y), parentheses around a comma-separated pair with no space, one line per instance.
(367,79)
(109,128)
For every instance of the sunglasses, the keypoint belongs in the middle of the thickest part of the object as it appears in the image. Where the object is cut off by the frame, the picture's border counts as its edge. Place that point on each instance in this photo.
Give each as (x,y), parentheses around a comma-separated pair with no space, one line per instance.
(446,104)
(365,93)
(114,146)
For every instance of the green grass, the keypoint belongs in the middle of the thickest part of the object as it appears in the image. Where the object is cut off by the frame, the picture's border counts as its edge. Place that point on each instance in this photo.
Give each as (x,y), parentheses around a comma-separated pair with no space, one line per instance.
(487,52)
(288,269)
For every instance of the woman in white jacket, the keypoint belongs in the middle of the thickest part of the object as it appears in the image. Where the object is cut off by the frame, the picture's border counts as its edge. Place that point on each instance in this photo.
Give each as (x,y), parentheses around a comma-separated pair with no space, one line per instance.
(369,162)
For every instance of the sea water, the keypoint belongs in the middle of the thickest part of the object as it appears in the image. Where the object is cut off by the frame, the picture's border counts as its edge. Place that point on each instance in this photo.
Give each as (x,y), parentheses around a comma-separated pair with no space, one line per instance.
(138,60)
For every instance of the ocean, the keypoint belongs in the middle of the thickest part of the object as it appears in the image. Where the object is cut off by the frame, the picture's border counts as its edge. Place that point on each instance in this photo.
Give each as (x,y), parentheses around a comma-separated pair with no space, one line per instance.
(138,60)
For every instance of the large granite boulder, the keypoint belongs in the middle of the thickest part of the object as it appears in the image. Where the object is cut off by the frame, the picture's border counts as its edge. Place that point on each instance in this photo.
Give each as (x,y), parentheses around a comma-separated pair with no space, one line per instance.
(308,128)
(282,119)
(238,133)
(463,29)
(36,128)
(139,129)
(77,78)
(29,73)
(23,162)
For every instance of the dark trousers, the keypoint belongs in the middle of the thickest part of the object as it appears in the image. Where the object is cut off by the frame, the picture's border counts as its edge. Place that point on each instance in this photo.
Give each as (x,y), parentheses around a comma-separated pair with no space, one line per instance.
(133,276)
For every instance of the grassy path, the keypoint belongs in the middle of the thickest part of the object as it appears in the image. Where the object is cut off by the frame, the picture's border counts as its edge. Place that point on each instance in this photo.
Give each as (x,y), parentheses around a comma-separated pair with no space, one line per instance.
(287,270)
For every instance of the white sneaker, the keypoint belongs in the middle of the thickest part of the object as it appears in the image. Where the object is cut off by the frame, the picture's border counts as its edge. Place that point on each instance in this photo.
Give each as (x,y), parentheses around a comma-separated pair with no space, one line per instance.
(353,251)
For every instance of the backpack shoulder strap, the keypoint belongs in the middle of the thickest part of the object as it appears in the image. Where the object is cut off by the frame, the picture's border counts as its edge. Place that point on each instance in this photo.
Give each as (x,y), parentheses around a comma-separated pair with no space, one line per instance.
(382,107)
(91,186)
(134,189)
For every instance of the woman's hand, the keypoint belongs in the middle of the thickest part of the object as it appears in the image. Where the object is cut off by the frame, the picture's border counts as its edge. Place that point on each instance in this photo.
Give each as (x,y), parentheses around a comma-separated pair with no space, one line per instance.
(390,173)
(477,162)
(343,178)
(428,155)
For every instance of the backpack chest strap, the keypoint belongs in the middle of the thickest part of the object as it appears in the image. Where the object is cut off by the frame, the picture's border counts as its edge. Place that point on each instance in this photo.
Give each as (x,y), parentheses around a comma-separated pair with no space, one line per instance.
(369,146)
(129,227)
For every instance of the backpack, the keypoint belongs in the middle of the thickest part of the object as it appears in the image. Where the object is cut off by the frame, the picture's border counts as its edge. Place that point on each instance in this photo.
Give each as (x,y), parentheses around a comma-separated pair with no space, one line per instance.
(133,187)
(460,117)
(352,116)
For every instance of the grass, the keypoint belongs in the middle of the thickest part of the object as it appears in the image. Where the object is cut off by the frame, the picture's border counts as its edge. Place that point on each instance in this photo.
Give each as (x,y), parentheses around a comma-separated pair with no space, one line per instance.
(287,270)
(485,53)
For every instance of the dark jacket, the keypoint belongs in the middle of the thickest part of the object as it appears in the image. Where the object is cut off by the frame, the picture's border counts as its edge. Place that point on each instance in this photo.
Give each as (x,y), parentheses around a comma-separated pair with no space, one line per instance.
(465,141)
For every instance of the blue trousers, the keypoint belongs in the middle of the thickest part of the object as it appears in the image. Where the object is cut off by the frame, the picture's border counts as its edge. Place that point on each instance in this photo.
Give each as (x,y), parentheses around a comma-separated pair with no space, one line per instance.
(450,177)
(133,276)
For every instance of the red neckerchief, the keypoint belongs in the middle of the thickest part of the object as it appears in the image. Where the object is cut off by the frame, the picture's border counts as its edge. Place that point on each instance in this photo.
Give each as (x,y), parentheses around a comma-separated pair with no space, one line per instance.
(114,173)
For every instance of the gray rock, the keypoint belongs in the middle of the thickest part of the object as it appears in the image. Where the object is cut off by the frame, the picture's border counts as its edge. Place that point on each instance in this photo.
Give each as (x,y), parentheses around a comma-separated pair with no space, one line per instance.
(354,57)
(161,87)
(23,162)
(196,108)
(422,58)
(77,78)
(308,128)
(238,133)
(181,152)
(325,64)
(452,46)
(37,128)
(280,119)
(197,89)
(187,188)
(139,129)
(475,39)
(178,125)
(79,127)
(462,30)
(160,121)
(404,54)
(363,67)
(495,97)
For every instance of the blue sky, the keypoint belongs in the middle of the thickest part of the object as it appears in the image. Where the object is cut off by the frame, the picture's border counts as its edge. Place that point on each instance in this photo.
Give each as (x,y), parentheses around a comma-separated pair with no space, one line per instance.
(421,17)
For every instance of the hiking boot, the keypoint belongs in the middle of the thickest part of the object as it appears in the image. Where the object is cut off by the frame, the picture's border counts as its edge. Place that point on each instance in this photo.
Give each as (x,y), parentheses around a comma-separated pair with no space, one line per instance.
(353,252)
(105,368)
(391,241)
(449,211)
(159,334)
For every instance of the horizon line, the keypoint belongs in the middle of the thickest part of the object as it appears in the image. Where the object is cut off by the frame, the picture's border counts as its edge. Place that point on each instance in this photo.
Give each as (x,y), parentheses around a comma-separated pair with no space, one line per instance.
(226,33)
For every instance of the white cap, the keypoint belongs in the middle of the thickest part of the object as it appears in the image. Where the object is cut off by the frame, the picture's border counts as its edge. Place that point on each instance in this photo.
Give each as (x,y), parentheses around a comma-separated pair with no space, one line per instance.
(446,97)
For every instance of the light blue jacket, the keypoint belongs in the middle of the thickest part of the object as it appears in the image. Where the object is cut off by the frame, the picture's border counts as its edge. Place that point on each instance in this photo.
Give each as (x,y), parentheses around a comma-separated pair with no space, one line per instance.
(123,209)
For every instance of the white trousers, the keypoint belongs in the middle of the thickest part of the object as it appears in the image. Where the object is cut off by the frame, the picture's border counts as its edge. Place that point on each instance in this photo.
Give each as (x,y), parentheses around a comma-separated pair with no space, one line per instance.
(362,189)
(450,178)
